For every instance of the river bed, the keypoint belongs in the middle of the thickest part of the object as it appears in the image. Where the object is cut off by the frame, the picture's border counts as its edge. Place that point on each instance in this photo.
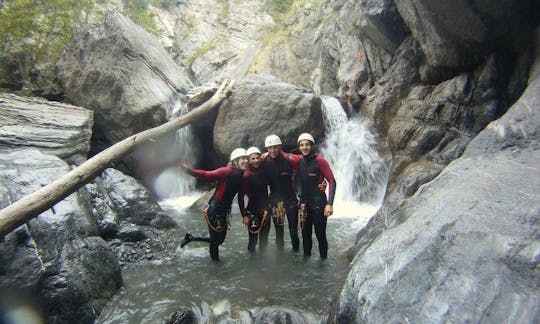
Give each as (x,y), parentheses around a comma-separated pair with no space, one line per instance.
(241,283)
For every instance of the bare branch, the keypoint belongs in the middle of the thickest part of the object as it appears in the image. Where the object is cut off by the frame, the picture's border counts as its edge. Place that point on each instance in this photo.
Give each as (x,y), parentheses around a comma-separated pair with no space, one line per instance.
(39,201)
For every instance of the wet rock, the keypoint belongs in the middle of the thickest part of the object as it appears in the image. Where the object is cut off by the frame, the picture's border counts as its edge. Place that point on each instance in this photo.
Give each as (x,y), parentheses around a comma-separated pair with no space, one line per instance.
(128,198)
(465,246)
(162,221)
(458,35)
(435,123)
(122,73)
(183,316)
(157,245)
(97,71)
(131,234)
(284,315)
(53,128)
(57,257)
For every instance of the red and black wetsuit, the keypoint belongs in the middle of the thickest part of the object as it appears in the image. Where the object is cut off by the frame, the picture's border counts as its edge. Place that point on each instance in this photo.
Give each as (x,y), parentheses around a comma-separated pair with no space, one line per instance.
(219,206)
(255,187)
(312,171)
(280,173)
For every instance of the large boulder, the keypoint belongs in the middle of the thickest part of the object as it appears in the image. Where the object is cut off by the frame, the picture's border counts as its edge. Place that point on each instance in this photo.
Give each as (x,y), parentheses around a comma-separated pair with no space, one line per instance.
(51,127)
(121,72)
(57,257)
(464,247)
(126,77)
(262,105)
(128,198)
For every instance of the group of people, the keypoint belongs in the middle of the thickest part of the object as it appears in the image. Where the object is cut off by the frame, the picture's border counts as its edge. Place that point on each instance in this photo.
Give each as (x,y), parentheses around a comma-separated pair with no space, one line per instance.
(268,181)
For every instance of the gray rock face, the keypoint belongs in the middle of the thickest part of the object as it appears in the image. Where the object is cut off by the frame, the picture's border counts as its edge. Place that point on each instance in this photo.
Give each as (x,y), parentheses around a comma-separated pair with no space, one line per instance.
(465,247)
(382,100)
(57,257)
(262,105)
(455,35)
(219,39)
(115,199)
(122,73)
(51,127)
(434,122)
(60,257)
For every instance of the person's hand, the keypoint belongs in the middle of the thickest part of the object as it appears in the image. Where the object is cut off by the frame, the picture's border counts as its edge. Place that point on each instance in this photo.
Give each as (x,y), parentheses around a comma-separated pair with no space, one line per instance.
(184,166)
(328,210)
(245,220)
(264,155)
(322,185)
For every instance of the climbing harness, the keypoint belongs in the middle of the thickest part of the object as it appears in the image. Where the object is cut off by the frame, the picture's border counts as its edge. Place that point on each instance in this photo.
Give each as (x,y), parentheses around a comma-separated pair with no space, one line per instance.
(302,215)
(279,212)
(251,226)
(217,229)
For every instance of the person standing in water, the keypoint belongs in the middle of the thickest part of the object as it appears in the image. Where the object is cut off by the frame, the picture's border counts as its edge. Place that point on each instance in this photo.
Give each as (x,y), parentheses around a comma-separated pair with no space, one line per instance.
(315,206)
(279,168)
(229,181)
(255,215)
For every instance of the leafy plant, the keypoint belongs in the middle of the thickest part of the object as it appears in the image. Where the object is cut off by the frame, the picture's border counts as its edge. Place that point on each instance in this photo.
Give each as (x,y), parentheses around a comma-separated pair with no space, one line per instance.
(139,12)
(200,51)
(277,7)
(34,32)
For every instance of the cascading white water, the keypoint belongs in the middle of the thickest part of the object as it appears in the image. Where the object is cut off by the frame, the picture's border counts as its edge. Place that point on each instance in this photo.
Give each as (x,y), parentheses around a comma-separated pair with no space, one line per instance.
(172,182)
(349,148)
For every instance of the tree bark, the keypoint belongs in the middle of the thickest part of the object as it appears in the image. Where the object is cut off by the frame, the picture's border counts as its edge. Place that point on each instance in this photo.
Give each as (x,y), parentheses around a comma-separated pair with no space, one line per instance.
(39,201)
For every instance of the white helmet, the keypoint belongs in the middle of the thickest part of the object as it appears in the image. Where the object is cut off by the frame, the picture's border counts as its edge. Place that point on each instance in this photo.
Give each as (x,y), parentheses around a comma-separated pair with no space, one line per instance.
(236,153)
(272,140)
(306,136)
(253,150)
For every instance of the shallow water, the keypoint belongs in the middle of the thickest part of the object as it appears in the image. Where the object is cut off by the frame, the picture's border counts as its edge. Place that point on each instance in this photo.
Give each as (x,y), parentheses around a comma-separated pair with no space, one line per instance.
(241,283)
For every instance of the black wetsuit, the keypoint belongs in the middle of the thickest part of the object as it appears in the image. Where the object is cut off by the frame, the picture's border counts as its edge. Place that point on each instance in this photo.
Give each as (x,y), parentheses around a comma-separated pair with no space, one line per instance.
(280,172)
(312,171)
(256,189)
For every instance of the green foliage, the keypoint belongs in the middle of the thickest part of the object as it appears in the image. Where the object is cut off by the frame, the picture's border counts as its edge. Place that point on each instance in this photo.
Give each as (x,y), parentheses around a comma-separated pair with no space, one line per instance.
(200,51)
(278,7)
(34,32)
(165,4)
(139,12)
(224,12)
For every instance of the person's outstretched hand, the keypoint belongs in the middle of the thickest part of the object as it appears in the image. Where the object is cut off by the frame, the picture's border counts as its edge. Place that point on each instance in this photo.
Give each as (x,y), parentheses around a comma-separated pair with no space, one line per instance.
(184,166)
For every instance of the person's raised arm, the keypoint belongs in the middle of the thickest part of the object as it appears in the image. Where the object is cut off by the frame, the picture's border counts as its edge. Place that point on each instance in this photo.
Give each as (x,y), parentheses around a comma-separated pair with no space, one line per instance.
(294,159)
(217,174)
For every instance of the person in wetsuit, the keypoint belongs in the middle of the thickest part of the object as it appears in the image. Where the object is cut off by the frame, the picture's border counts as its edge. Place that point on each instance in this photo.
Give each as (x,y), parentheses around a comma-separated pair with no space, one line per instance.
(229,181)
(315,205)
(255,215)
(279,168)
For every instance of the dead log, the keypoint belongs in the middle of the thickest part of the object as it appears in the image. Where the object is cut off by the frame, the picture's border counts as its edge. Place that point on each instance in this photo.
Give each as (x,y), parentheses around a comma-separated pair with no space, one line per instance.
(39,201)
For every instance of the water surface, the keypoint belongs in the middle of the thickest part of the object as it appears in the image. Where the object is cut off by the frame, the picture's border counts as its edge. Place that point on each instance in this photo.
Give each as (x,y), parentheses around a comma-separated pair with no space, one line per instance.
(241,282)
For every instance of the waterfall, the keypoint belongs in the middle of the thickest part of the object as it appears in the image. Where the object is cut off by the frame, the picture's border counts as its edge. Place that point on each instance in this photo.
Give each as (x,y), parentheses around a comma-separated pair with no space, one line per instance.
(245,287)
(349,148)
(172,182)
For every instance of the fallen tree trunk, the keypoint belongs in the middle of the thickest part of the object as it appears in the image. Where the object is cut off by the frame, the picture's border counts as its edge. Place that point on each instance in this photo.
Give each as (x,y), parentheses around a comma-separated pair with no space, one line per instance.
(39,201)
